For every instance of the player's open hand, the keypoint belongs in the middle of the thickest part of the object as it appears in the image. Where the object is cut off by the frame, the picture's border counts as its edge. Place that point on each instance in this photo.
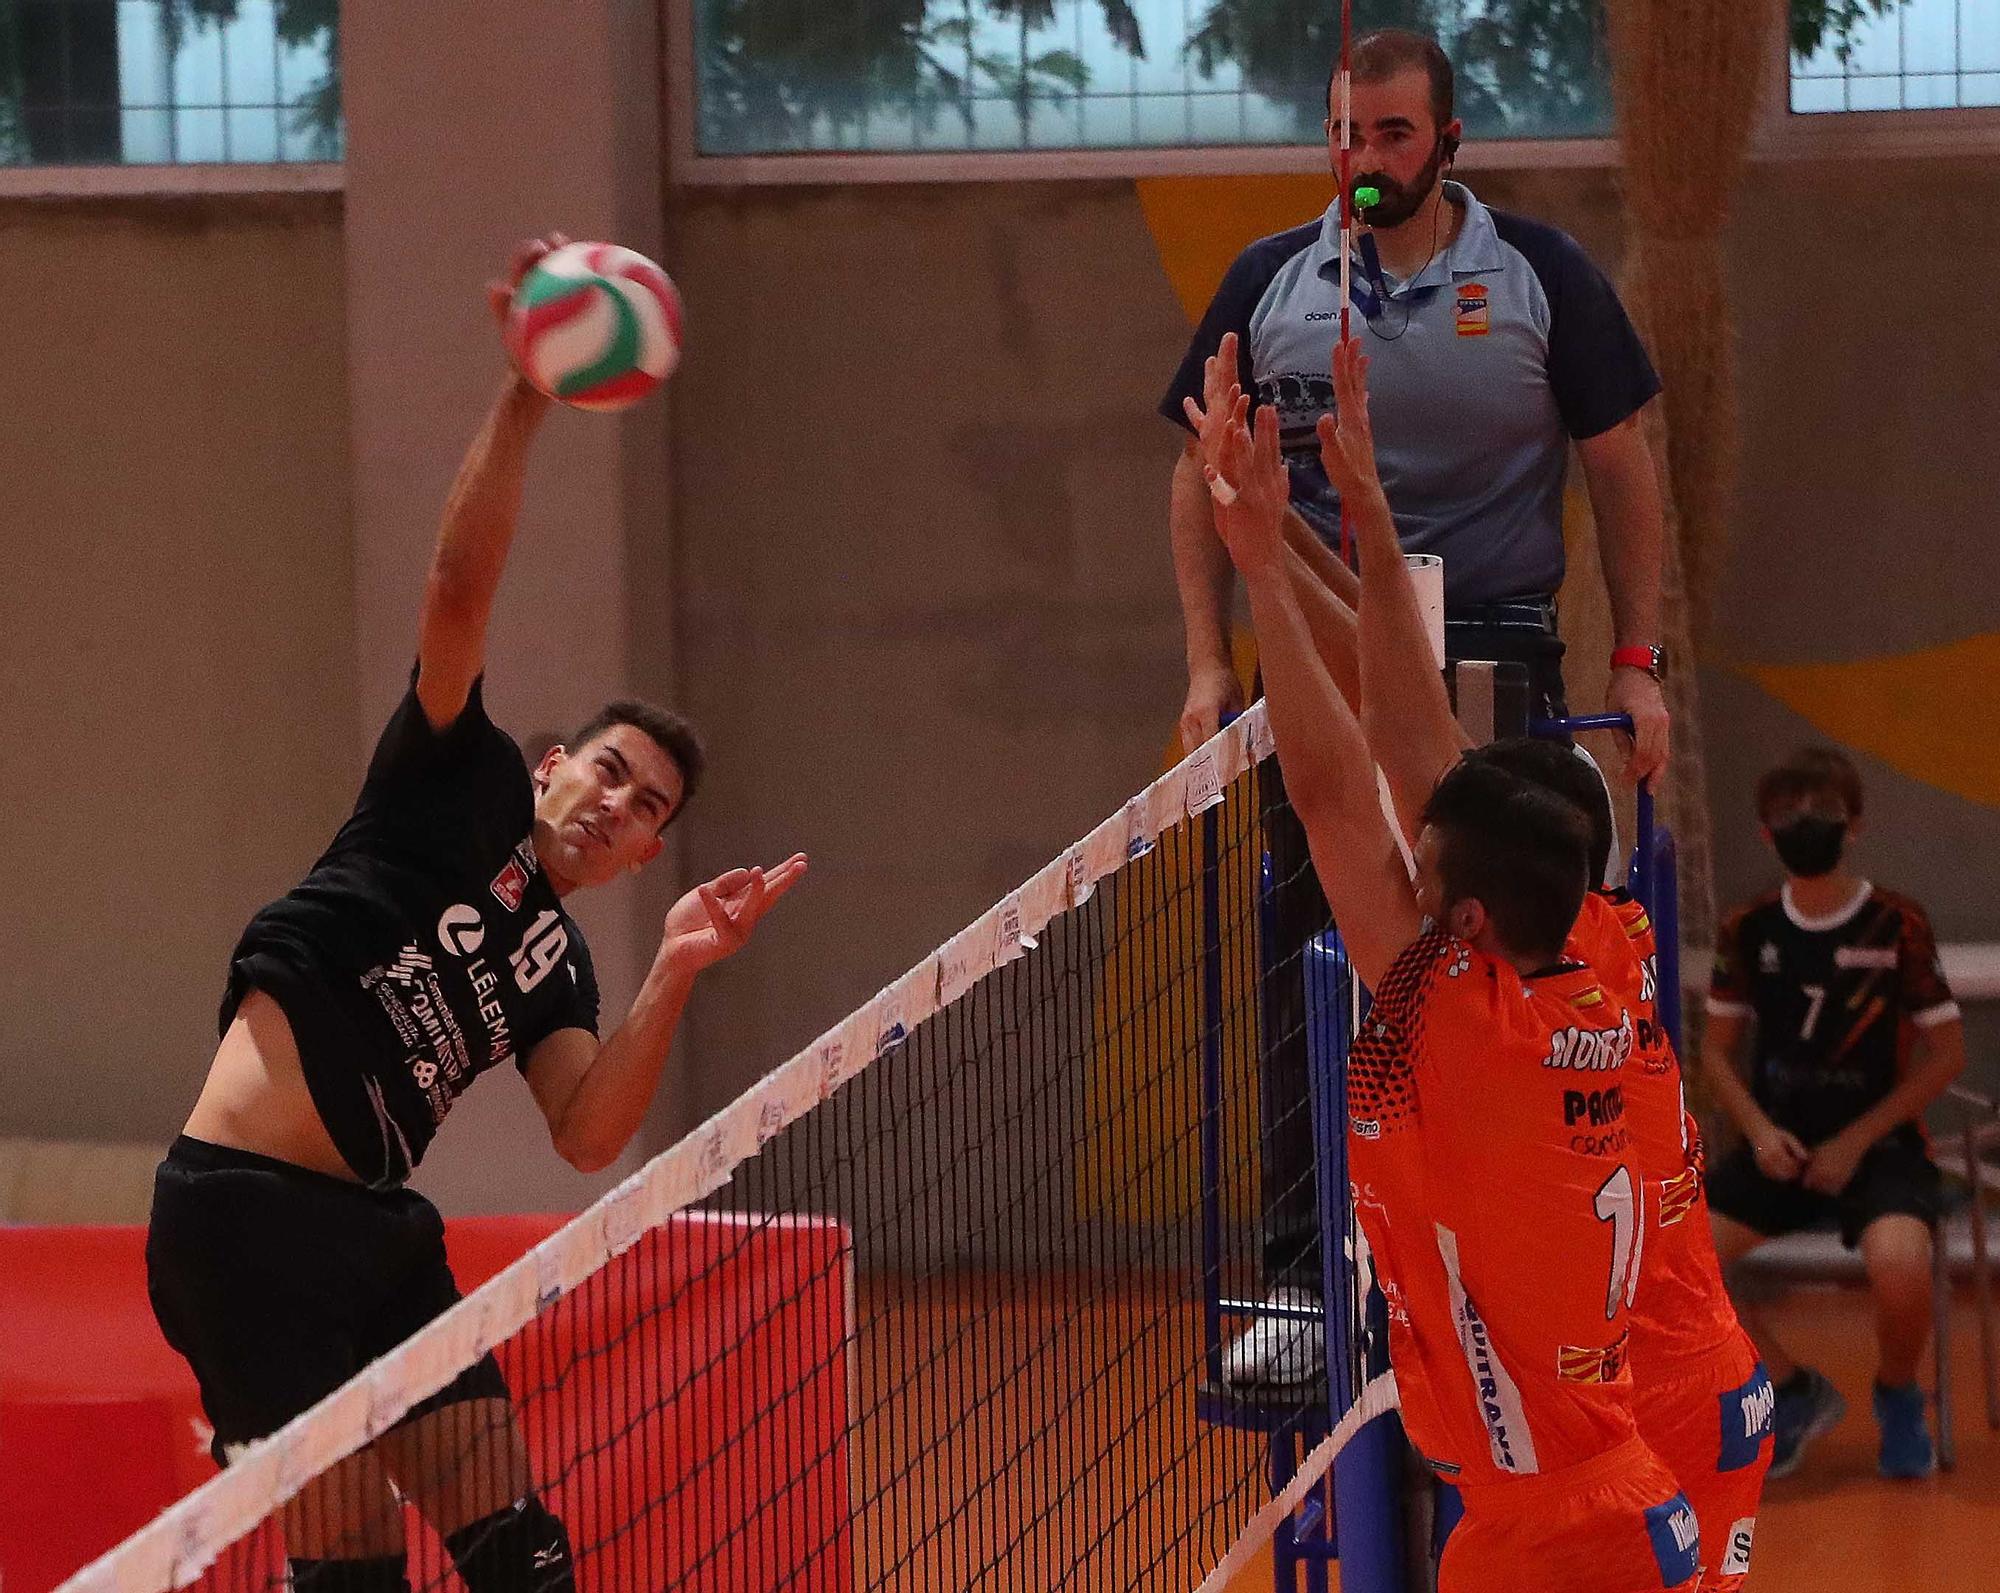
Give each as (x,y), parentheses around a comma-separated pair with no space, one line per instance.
(500,292)
(1219,394)
(1251,489)
(716,920)
(1347,436)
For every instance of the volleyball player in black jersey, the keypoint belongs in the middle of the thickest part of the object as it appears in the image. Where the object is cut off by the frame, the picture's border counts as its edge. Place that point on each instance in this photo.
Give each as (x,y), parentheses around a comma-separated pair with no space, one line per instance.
(428,944)
(1856,1034)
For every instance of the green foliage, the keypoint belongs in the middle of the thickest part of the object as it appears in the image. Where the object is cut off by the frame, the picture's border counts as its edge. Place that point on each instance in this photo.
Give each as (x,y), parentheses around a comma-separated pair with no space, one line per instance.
(1817,23)
(1523,66)
(1283,47)
(1535,68)
(1120,21)
(316,111)
(771,70)
(13,141)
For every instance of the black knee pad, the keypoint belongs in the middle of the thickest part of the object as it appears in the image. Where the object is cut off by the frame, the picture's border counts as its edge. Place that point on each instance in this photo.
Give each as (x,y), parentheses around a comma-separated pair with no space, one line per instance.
(522,1549)
(384,1575)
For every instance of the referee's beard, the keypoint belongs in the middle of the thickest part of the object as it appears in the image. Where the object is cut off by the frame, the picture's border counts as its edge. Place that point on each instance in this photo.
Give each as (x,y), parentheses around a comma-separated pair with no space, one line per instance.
(1399,204)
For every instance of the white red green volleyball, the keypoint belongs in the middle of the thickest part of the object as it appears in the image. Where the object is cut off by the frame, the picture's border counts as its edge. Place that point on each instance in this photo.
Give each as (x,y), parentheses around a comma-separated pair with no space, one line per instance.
(595,325)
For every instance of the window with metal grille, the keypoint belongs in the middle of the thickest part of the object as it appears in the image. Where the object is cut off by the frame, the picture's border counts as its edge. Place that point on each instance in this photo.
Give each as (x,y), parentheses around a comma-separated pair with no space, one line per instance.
(907,76)
(1894,55)
(169,82)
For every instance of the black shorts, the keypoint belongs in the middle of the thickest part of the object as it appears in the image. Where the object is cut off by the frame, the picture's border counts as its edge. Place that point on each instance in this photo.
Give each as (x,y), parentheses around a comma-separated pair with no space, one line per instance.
(278,1284)
(1896,1177)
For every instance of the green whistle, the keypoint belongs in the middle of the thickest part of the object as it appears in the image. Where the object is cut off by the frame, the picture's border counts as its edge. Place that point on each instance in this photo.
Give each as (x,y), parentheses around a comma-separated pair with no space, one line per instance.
(1367,198)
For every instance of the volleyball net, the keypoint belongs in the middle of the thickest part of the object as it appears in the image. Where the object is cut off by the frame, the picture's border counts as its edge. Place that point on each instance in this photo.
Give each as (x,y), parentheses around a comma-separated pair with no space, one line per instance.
(939,1303)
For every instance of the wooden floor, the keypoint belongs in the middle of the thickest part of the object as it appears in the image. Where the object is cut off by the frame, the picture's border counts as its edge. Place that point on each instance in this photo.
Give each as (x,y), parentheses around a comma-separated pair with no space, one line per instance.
(1037,1434)
(1835,1526)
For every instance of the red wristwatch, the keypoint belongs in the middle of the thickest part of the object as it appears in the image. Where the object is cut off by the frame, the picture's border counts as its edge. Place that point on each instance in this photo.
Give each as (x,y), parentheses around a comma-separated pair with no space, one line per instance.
(1652,660)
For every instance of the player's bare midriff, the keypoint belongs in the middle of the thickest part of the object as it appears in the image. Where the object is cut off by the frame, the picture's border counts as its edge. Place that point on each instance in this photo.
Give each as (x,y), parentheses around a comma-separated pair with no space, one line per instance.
(255,1098)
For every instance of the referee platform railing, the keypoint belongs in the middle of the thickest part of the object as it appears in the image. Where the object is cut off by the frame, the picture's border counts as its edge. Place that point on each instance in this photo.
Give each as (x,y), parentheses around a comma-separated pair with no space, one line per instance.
(1384,1533)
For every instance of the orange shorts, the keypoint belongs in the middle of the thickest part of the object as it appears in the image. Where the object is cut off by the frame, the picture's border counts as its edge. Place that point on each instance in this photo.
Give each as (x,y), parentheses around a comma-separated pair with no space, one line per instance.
(1613,1524)
(1711,1424)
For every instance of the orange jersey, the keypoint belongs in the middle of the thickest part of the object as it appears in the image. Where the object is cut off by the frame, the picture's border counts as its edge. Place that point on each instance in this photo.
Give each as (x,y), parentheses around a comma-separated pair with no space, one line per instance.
(1681,1313)
(1502,1225)
(1615,1524)
(1712,1427)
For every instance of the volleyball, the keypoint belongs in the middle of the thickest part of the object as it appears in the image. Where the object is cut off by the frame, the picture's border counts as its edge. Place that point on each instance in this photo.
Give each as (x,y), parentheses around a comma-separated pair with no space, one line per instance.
(595,326)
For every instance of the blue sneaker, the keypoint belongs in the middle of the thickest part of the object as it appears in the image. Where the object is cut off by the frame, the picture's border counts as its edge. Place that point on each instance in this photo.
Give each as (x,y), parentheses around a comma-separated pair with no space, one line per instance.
(1808,1406)
(1906,1451)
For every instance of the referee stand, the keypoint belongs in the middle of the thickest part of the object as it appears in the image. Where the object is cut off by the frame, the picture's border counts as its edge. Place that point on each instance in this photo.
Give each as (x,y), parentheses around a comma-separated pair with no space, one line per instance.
(1305,1543)
(1355,1515)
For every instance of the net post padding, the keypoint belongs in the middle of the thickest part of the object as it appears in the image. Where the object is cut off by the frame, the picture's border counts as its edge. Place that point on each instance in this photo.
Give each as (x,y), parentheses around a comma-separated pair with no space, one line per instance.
(1377,1399)
(1490,700)
(187,1539)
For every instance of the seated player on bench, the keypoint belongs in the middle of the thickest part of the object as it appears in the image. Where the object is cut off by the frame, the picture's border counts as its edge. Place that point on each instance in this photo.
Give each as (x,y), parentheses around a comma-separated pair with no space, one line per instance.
(1856,1034)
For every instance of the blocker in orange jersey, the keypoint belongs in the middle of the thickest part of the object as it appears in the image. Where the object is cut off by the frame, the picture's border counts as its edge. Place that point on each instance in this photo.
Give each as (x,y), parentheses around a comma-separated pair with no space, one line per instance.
(1681,1313)
(1701,1397)
(1486,1115)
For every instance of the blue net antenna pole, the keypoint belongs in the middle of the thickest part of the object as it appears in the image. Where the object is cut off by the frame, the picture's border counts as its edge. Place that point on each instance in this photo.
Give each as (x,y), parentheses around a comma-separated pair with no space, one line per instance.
(1211,1096)
(1297,1536)
(1665,908)
(1285,1429)
(1367,1502)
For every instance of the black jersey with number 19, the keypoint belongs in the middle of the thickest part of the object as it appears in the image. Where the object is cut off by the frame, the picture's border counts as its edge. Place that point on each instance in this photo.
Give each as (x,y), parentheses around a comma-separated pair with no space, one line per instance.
(425,946)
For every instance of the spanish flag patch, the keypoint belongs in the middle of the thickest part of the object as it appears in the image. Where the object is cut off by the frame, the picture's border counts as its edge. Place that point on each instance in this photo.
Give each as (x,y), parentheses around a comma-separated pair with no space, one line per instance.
(1606,1365)
(1677,1197)
(1474,319)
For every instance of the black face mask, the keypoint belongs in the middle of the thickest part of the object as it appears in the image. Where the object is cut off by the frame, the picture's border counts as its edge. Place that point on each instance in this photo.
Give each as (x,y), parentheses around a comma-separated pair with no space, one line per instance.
(1809,846)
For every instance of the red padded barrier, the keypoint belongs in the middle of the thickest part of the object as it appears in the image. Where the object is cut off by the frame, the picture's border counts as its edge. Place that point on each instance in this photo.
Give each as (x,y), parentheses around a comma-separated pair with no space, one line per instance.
(733,1402)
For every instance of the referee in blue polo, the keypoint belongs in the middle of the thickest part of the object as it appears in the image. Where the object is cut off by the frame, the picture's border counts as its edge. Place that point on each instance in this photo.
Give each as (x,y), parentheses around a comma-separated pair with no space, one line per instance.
(1495,345)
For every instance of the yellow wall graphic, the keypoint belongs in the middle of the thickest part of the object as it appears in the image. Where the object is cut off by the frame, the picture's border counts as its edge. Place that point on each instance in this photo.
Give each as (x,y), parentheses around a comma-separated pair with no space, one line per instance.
(1926,714)
(1201,224)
